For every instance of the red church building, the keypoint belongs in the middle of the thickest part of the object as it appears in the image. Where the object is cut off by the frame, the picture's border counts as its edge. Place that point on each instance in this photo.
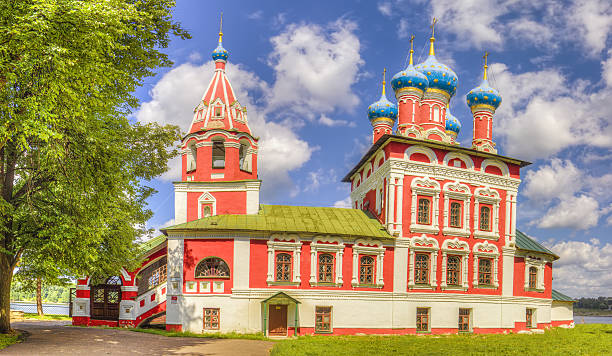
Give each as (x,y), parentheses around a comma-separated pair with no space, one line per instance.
(430,244)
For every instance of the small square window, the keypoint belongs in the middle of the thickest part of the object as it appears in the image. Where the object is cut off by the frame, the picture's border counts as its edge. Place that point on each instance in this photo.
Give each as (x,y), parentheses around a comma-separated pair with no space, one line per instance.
(211,318)
(530,318)
(465,322)
(422,319)
(323,319)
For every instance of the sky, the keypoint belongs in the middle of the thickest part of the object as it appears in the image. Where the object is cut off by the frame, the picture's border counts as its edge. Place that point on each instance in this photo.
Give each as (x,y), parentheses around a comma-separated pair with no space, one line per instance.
(307,71)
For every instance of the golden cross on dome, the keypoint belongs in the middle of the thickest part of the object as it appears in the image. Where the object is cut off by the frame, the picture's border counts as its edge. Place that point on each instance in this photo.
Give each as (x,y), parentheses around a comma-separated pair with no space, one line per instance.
(221,27)
(432,39)
(485,57)
(384,82)
(411,48)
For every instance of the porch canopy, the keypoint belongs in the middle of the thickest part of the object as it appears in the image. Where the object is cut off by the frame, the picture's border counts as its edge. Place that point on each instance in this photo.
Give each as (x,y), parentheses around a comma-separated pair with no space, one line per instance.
(279,298)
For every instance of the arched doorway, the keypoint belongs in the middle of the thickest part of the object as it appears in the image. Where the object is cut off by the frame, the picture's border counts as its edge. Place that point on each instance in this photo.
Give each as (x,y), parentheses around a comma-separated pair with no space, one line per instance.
(105,299)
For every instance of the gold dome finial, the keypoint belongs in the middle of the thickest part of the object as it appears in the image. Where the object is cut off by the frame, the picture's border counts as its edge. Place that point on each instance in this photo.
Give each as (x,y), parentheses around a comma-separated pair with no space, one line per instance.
(411,48)
(432,39)
(221,27)
(384,82)
(486,55)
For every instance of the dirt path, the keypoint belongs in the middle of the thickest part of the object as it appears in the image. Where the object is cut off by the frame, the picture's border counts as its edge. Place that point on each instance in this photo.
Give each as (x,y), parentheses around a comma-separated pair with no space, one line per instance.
(58,338)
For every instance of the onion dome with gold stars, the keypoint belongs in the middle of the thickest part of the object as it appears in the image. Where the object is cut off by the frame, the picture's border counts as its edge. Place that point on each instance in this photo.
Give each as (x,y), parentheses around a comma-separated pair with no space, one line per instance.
(453,125)
(409,77)
(484,94)
(439,75)
(383,108)
(220,53)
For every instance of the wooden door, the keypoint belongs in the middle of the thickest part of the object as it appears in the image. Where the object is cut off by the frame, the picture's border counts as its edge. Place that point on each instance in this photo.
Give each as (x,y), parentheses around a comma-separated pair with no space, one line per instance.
(278,320)
(105,301)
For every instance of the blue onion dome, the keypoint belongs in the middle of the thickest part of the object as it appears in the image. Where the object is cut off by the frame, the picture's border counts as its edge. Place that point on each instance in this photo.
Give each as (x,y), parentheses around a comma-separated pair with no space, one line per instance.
(383,108)
(453,125)
(409,77)
(220,53)
(440,76)
(484,94)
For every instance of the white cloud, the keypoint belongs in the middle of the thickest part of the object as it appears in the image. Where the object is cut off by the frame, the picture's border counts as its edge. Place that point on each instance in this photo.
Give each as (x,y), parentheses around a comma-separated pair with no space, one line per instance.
(402,28)
(327,121)
(195,57)
(607,69)
(315,179)
(257,15)
(344,203)
(593,21)
(558,179)
(584,268)
(385,8)
(315,68)
(576,212)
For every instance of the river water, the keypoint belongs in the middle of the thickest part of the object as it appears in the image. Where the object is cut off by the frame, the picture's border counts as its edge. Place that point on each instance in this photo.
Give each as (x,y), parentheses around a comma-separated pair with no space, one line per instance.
(592,319)
(48,308)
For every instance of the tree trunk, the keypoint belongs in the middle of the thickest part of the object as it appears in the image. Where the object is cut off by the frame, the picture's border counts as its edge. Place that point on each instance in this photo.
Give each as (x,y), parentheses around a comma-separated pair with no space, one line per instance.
(39,309)
(6,275)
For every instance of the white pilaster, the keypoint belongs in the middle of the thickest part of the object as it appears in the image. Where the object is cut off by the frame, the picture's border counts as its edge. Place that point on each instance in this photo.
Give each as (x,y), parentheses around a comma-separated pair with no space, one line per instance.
(242,258)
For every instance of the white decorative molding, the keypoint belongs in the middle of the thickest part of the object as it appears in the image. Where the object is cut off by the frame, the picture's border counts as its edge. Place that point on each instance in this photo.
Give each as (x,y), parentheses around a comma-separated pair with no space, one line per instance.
(539,262)
(427,244)
(486,195)
(328,244)
(433,159)
(467,160)
(486,250)
(457,191)
(288,243)
(446,138)
(207,199)
(455,247)
(368,247)
(495,163)
(427,187)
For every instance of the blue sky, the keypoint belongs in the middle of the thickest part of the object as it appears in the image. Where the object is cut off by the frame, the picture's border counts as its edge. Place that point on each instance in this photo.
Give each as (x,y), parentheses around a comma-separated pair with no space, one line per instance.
(307,72)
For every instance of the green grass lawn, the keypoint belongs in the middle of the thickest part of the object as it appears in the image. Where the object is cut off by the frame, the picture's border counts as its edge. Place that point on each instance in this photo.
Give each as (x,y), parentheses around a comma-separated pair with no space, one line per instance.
(46,316)
(8,339)
(205,335)
(589,339)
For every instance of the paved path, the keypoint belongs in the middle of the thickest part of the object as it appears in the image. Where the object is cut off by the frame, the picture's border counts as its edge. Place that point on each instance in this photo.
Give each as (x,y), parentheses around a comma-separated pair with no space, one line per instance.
(58,338)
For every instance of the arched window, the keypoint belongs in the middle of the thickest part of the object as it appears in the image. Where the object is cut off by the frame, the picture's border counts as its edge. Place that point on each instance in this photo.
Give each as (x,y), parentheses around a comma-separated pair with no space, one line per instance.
(533,277)
(245,159)
(192,156)
(326,268)
(455,214)
(485,218)
(283,267)
(453,268)
(218,154)
(218,111)
(485,272)
(423,213)
(212,267)
(436,114)
(366,270)
(114,280)
(207,211)
(421,268)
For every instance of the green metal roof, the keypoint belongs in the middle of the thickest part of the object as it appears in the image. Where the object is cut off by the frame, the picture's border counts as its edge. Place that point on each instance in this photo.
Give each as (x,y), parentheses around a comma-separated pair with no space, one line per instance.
(284,218)
(148,245)
(526,243)
(556,295)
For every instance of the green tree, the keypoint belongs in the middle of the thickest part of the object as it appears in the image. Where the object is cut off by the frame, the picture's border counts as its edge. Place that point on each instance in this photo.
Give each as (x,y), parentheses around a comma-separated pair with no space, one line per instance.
(73,166)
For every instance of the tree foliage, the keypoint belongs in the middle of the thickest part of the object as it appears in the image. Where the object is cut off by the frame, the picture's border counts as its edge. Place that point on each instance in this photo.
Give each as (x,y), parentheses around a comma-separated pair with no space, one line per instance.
(73,166)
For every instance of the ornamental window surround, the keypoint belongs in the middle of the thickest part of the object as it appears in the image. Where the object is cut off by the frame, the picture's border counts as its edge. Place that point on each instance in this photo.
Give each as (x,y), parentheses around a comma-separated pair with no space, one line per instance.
(332,246)
(192,156)
(424,189)
(456,209)
(460,251)
(207,205)
(534,273)
(288,245)
(218,109)
(374,250)
(487,270)
(419,246)
(212,267)
(486,197)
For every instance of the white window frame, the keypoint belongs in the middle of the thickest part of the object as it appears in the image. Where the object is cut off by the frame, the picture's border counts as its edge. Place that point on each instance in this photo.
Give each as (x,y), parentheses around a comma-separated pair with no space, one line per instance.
(540,264)
(455,247)
(427,187)
(285,243)
(486,250)
(372,248)
(333,245)
(217,103)
(205,199)
(486,195)
(429,245)
(457,191)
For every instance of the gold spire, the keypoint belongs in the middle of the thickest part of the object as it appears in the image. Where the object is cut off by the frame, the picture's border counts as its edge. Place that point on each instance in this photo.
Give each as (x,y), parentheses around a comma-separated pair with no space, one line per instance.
(411,48)
(486,55)
(384,82)
(432,39)
(221,27)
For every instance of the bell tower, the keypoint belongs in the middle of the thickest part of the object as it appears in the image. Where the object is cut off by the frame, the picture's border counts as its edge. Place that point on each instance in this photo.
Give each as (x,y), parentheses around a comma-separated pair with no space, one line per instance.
(219,154)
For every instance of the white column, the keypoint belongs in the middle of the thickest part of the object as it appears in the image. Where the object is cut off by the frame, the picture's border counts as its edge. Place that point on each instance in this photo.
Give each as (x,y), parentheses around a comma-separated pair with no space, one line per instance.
(444,263)
(411,269)
(399,205)
(339,259)
(400,265)
(313,265)
(270,277)
(180,205)
(434,269)
(175,281)
(355,279)
(390,212)
(296,265)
